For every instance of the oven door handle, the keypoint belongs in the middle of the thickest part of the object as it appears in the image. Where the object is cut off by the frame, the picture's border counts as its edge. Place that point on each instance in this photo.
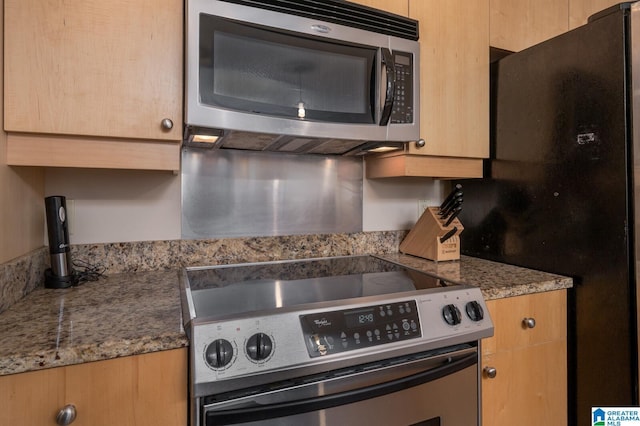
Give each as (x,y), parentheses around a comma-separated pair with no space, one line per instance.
(289,408)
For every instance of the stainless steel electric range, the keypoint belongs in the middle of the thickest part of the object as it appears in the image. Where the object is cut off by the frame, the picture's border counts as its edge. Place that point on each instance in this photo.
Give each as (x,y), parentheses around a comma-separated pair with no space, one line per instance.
(332,341)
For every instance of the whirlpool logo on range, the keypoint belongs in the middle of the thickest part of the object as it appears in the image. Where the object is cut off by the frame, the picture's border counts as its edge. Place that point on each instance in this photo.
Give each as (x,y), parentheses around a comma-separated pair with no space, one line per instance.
(322,322)
(615,416)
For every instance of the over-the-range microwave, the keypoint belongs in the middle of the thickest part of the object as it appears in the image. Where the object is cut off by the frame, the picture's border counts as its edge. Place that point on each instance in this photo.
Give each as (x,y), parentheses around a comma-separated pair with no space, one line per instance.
(310,76)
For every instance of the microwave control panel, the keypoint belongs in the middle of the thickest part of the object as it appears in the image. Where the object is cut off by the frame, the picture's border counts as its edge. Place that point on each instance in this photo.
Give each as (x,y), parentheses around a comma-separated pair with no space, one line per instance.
(402,111)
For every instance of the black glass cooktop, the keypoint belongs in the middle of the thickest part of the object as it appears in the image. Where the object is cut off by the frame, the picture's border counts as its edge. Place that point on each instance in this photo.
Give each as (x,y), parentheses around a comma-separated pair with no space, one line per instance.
(225,290)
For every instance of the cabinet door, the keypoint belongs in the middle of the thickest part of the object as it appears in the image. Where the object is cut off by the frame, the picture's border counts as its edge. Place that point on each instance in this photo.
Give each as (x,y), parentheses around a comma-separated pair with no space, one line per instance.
(94,68)
(149,389)
(530,386)
(399,7)
(454,77)
(518,24)
(580,10)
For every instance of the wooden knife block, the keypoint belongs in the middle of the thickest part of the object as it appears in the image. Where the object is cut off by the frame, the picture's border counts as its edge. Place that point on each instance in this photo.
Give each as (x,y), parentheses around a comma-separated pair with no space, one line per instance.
(424,238)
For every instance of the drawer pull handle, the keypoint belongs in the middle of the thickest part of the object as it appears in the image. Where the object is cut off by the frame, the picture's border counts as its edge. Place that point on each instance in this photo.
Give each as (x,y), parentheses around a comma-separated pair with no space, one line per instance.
(529,323)
(490,372)
(66,415)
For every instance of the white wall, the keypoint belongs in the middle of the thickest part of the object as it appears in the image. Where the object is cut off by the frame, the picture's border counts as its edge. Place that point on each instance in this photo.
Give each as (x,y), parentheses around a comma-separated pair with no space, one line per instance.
(392,204)
(118,205)
(124,205)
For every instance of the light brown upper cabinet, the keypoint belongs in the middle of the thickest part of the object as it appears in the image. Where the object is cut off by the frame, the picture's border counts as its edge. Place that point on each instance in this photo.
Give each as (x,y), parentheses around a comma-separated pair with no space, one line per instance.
(94,83)
(454,94)
(518,24)
(580,10)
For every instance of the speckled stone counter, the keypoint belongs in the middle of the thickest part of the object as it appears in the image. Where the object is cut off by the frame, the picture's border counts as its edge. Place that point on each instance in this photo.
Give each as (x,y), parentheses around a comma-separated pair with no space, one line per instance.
(496,280)
(123,314)
(138,312)
(22,275)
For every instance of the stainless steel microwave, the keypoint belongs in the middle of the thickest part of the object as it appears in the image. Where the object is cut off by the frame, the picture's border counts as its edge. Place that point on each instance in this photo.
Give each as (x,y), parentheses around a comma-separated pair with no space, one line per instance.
(318,76)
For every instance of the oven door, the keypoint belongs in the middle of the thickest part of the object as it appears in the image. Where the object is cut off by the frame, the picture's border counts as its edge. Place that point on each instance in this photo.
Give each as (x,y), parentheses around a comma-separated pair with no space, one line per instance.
(420,390)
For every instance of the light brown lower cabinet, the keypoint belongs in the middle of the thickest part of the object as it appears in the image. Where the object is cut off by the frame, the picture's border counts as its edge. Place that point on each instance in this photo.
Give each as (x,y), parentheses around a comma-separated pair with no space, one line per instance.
(524,380)
(139,390)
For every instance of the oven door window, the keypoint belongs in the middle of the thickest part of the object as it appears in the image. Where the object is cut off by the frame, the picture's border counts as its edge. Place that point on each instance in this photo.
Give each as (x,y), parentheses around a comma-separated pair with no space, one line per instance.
(262,71)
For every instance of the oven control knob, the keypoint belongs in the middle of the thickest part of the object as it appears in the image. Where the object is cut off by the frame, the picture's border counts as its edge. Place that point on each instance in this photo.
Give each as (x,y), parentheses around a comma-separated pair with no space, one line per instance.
(219,353)
(474,311)
(259,346)
(451,314)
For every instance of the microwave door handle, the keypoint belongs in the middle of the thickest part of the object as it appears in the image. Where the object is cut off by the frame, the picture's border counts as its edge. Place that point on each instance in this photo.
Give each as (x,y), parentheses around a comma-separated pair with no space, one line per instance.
(387,60)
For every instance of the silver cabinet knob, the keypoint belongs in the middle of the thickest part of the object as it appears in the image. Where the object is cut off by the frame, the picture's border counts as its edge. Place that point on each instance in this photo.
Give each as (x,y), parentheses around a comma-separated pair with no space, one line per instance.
(490,372)
(166,124)
(529,322)
(420,143)
(66,415)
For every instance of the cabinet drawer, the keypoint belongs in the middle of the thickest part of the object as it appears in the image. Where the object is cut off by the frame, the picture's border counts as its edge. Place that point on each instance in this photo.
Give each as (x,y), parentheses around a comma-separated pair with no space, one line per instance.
(548,310)
(148,389)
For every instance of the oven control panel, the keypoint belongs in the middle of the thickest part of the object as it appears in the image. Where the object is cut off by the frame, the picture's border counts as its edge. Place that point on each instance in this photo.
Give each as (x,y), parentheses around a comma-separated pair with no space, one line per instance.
(344,330)
(252,345)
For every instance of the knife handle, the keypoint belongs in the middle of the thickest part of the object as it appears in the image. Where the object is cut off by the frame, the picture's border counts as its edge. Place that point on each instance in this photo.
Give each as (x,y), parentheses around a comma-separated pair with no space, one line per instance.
(455,214)
(447,205)
(452,207)
(448,235)
(452,194)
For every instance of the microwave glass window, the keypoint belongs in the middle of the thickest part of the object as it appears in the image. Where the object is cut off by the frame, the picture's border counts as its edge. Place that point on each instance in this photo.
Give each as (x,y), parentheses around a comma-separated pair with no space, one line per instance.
(253,69)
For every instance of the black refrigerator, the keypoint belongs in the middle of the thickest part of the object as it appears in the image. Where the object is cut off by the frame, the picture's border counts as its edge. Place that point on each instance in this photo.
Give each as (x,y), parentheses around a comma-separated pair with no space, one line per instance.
(560,192)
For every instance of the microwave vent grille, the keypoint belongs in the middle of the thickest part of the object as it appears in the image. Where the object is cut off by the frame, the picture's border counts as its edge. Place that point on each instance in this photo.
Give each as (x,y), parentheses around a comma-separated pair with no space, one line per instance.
(342,13)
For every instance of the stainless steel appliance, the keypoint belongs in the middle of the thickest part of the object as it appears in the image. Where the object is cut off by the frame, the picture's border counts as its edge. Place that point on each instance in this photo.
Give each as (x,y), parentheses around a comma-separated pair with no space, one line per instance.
(332,341)
(563,189)
(311,76)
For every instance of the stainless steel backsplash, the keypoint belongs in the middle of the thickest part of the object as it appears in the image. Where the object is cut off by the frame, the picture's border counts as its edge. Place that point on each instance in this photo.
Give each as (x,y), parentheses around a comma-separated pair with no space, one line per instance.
(229,193)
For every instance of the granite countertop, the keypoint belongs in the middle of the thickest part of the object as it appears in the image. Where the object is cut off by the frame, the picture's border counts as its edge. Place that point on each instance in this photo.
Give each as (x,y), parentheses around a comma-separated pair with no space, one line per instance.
(120,315)
(496,280)
(135,313)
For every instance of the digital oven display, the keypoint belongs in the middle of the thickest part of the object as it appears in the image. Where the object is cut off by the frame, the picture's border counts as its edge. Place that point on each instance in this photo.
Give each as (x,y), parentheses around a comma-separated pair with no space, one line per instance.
(359,318)
(362,327)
